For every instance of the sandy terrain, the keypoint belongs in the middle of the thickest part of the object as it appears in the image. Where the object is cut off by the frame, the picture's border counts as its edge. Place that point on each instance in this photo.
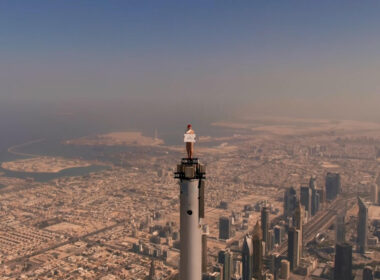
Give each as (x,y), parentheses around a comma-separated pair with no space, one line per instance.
(67,228)
(116,139)
(293,126)
(43,164)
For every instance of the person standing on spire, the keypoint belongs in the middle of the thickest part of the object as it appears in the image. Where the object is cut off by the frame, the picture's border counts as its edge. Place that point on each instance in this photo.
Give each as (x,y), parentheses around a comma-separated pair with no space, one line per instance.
(189,140)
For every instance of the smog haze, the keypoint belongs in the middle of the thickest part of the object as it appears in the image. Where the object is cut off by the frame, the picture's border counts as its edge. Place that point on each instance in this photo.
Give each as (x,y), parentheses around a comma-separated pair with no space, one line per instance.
(136,62)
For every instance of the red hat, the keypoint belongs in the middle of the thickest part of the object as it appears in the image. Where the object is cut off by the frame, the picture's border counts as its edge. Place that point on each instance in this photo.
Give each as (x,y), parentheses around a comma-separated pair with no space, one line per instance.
(189,125)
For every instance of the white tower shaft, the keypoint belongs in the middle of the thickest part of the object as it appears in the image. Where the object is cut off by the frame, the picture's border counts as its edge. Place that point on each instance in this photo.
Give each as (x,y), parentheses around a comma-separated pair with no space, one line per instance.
(190,232)
(191,175)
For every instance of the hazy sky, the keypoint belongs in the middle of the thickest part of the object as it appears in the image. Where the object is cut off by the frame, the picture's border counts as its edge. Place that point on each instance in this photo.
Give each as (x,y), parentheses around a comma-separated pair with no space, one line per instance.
(313,58)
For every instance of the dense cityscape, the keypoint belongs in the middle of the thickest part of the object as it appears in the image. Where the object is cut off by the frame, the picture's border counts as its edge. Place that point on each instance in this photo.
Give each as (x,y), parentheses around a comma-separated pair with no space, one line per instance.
(294,200)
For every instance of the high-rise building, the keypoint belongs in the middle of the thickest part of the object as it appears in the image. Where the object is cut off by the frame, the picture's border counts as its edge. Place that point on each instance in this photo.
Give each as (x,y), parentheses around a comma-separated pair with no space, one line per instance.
(343,262)
(377,183)
(270,242)
(362,226)
(294,248)
(298,223)
(152,271)
(340,228)
(375,193)
(225,258)
(225,228)
(285,270)
(315,201)
(274,264)
(211,276)
(204,253)
(313,183)
(257,242)
(368,273)
(265,226)
(238,268)
(290,201)
(333,185)
(278,232)
(305,198)
(322,197)
(247,258)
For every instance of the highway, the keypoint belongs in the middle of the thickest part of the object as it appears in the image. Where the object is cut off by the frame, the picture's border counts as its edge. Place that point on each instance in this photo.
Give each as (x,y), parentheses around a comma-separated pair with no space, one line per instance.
(320,222)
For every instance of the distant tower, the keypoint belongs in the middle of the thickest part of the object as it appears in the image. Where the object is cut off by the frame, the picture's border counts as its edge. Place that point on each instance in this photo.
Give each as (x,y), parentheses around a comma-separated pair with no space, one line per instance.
(375,193)
(152,271)
(238,268)
(294,247)
(362,226)
(333,185)
(247,258)
(340,228)
(285,270)
(315,201)
(191,175)
(343,262)
(257,243)
(305,198)
(225,258)
(377,183)
(265,226)
(278,234)
(313,183)
(290,201)
(368,273)
(275,264)
(322,198)
(298,222)
(204,253)
(224,228)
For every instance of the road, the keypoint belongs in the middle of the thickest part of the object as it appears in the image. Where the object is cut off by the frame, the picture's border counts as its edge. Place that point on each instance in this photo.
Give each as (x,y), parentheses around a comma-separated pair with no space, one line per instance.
(322,221)
(57,245)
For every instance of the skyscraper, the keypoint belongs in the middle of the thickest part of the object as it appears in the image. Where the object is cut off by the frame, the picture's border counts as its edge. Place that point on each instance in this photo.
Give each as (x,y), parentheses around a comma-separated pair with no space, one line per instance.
(152,271)
(247,258)
(265,226)
(340,228)
(238,268)
(204,253)
(211,276)
(224,228)
(290,201)
(343,262)
(305,198)
(322,197)
(257,242)
(225,258)
(362,226)
(368,273)
(333,185)
(275,264)
(313,183)
(377,183)
(285,270)
(375,193)
(278,234)
(294,248)
(315,201)
(298,223)
(270,242)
